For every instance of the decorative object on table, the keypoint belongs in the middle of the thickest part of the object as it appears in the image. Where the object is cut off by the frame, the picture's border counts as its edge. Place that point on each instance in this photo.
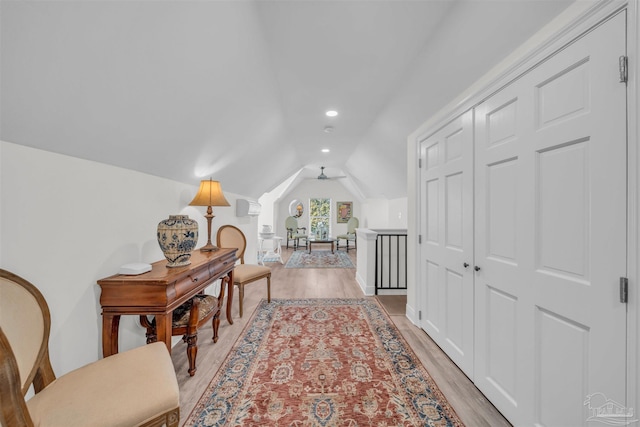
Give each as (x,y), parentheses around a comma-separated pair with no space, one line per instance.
(322,362)
(345,211)
(322,231)
(319,259)
(266,232)
(177,237)
(295,233)
(210,194)
(134,269)
(296,208)
(350,235)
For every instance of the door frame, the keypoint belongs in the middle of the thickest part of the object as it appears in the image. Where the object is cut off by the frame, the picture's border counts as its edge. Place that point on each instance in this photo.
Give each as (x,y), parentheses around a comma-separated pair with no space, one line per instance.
(578,19)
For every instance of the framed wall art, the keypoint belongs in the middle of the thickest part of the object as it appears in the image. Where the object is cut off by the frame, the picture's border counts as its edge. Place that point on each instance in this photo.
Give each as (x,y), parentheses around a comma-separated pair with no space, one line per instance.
(344,212)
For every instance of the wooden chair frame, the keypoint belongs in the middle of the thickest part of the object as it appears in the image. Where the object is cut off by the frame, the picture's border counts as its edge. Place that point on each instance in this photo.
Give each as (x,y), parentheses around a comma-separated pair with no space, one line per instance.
(238,272)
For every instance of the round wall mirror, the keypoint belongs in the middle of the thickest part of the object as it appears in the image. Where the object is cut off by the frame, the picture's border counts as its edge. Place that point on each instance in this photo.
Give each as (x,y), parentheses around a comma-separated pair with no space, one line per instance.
(296,208)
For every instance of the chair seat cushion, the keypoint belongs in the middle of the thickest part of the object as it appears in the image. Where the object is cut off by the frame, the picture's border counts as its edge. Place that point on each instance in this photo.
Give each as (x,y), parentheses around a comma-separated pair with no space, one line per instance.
(105,393)
(244,273)
(347,236)
(208,303)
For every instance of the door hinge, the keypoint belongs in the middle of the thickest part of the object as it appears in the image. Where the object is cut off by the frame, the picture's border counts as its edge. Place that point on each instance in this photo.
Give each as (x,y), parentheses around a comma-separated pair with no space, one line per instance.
(419,314)
(420,163)
(419,239)
(623,64)
(624,290)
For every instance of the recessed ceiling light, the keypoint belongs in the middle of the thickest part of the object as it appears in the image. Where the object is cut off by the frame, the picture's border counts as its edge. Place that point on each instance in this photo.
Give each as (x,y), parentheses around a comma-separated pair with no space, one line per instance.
(328,129)
(331,113)
(325,150)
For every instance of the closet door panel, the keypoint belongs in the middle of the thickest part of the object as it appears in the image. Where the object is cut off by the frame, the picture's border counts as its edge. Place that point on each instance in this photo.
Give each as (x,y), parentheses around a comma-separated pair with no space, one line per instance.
(551,235)
(447,229)
(502,248)
(580,207)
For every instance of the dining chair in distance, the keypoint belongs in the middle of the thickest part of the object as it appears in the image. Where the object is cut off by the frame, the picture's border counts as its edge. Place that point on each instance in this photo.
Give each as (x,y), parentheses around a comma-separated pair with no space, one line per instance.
(350,235)
(295,233)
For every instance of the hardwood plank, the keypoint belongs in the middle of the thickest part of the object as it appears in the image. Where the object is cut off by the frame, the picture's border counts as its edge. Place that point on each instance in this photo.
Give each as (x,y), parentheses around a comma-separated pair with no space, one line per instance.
(472,407)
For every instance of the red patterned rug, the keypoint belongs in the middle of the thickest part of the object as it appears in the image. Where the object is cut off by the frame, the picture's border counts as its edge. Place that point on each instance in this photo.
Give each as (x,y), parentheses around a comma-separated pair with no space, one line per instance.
(321,363)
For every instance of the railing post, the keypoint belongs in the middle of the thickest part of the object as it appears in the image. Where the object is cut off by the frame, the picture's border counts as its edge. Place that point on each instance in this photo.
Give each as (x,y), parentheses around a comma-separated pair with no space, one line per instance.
(365,256)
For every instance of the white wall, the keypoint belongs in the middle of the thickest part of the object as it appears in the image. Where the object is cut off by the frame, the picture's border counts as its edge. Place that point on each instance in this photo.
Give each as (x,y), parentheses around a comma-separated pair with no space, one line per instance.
(384,213)
(67,222)
(375,213)
(397,213)
(313,188)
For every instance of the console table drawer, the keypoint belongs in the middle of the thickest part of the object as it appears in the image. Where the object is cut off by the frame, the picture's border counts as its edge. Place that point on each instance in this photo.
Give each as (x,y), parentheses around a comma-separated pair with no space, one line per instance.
(194,279)
(222,265)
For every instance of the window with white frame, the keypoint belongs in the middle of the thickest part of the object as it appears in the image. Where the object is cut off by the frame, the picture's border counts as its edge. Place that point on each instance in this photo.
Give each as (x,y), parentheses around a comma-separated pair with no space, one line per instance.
(320,217)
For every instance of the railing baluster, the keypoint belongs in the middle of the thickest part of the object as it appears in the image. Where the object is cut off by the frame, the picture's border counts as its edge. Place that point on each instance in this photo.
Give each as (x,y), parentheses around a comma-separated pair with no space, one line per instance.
(391,261)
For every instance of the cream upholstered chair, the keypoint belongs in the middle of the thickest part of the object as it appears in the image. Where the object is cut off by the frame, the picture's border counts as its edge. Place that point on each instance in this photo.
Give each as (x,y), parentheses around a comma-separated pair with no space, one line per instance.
(232,237)
(293,232)
(350,235)
(133,388)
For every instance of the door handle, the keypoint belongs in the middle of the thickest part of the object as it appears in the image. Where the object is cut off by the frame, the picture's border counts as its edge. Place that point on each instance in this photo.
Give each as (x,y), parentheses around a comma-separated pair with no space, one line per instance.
(466,264)
(476,268)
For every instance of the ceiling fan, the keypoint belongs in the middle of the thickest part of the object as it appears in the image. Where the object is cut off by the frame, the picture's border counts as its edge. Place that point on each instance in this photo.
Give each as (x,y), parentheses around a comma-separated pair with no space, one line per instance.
(322,176)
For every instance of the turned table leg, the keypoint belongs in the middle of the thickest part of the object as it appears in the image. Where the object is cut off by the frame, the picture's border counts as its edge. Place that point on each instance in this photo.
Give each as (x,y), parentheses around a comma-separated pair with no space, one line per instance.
(229,297)
(163,329)
(110,326)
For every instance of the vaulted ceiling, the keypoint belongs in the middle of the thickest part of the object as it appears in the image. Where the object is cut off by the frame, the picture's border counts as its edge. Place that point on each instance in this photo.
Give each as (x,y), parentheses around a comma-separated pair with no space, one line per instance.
(237,90)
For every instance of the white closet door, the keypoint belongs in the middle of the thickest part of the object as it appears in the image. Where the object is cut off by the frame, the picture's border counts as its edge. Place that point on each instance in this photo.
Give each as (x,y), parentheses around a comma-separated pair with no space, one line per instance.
(447,232)
(551,235)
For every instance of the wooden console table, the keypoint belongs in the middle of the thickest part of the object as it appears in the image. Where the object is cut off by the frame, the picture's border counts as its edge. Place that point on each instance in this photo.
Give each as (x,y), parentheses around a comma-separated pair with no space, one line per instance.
(160,291)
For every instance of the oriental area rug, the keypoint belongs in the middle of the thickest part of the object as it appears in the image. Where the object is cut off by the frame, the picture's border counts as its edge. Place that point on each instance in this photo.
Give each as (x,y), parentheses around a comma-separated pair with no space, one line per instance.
(319,259)
(321,363)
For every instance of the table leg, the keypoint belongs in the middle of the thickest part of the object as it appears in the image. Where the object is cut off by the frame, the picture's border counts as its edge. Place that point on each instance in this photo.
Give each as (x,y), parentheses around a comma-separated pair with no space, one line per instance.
(260,252)
(110,326)
(163,329)
(278,243)
(229,297)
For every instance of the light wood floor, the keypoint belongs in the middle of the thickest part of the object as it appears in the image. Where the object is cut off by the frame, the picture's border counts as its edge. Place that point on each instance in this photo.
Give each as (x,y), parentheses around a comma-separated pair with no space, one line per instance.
(471,406)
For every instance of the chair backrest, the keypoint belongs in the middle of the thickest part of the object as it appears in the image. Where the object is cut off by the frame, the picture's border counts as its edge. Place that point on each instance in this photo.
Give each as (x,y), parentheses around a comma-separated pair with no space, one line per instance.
(13,408)
(26,322)
(352,224)
(230,236)
(291,224)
